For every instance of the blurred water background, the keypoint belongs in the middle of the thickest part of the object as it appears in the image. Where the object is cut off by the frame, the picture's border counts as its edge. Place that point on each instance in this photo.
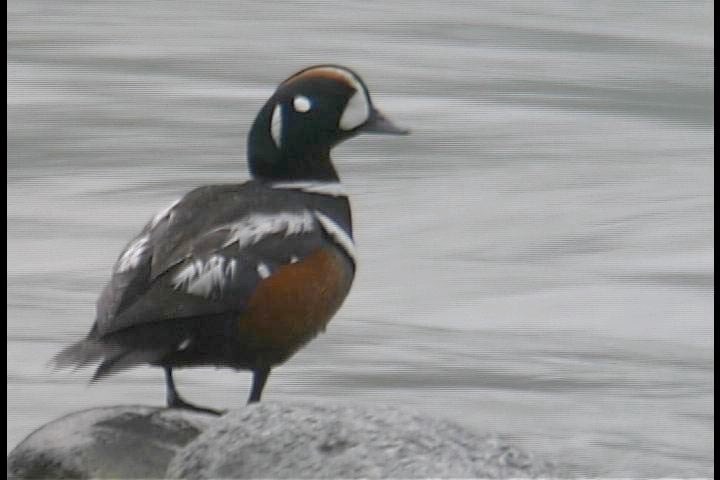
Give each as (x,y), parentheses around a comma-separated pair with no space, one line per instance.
(536,260)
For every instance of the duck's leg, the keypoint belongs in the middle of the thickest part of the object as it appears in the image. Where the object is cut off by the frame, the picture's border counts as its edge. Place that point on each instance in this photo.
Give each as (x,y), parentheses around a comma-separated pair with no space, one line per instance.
(174,400)
(260,376)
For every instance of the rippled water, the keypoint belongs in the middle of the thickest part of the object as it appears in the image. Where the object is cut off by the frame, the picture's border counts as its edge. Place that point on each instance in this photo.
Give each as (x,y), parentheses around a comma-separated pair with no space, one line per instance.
(536,259)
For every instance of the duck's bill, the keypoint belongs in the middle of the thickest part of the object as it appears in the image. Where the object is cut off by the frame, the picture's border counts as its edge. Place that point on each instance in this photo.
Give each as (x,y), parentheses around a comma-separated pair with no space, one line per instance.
(378,123)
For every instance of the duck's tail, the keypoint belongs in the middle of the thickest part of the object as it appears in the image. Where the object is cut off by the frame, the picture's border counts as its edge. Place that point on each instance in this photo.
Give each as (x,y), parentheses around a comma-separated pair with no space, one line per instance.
(81,354)
(110,357)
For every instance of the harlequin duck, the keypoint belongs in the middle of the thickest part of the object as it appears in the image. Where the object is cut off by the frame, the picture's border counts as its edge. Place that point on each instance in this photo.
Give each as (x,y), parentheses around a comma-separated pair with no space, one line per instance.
(243,275)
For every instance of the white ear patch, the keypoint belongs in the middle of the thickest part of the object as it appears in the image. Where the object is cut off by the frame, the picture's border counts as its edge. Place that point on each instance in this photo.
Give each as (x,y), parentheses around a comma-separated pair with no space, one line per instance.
(302,103)
(356,111)
(276,122)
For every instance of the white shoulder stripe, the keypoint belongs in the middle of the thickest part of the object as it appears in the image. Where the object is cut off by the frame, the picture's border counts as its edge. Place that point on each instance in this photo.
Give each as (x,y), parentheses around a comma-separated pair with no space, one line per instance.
(338,234)
(334,189)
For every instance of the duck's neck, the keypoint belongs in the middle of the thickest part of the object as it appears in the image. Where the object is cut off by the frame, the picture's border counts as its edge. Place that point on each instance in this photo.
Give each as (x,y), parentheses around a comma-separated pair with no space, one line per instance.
(295,162)
(303,166)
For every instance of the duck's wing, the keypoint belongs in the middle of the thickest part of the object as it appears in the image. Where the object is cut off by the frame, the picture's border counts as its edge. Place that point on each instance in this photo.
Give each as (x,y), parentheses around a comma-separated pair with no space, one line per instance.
(204,255)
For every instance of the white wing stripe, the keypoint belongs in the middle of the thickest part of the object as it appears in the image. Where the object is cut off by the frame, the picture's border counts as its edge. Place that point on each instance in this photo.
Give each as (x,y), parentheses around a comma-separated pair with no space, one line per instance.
(204,278)
(253,228)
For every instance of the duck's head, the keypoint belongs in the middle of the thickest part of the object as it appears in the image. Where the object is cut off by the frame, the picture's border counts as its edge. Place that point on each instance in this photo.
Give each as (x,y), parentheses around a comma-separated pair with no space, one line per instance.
(309,113)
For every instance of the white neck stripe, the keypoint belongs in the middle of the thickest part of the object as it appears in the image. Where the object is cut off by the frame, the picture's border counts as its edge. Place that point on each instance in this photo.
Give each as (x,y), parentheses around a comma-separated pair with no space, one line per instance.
(334,189)
(276,125)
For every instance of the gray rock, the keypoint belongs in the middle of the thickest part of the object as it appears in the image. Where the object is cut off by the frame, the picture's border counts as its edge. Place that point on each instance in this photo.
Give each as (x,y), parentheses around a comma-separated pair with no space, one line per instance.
(280,440)
(269,440)
(113,442)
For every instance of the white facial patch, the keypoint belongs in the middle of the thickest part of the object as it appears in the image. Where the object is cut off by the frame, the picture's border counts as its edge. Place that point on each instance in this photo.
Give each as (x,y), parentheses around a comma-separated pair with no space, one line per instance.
(203,278)
(254,228)
(301,103)
(357,111)
(133,255)
(276,121)
(337,233)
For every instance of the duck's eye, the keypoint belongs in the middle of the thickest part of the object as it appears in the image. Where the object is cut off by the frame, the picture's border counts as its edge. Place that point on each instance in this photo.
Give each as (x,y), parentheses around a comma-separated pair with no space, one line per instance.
(301,103)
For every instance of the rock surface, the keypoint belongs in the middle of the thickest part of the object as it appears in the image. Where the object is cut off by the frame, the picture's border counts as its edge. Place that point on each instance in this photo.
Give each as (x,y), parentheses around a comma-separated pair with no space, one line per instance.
(280,440)
(114,442)
(268,440)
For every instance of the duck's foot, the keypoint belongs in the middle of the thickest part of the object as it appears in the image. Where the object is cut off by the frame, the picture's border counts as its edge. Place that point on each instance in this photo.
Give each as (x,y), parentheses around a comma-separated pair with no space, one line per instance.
(174,400)
(178,402)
